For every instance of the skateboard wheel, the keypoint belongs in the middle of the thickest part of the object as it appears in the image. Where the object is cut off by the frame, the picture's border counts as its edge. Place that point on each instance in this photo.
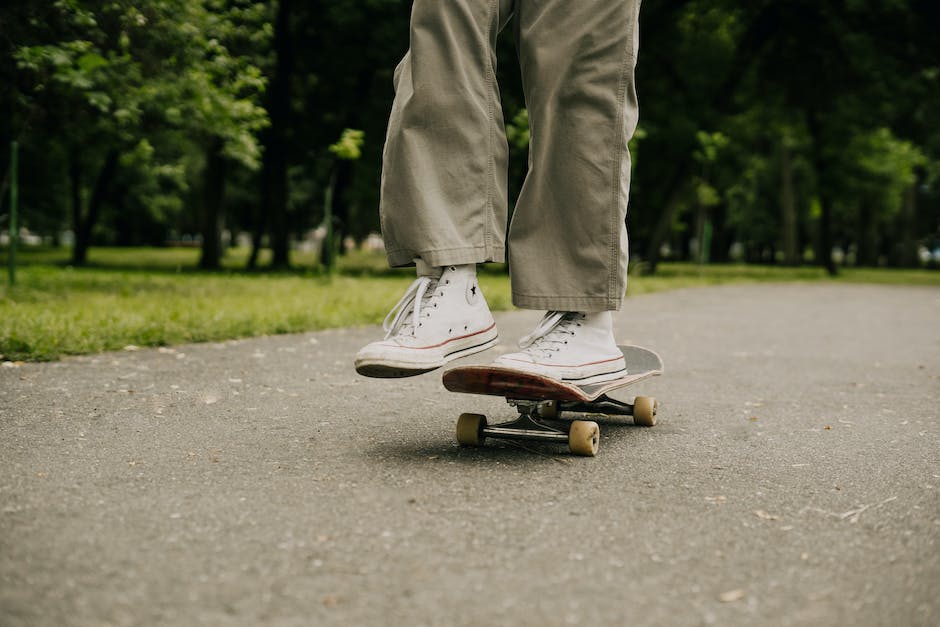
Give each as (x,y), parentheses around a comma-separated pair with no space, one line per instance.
(470,429)
(644,411)
(549,410)
(584,438)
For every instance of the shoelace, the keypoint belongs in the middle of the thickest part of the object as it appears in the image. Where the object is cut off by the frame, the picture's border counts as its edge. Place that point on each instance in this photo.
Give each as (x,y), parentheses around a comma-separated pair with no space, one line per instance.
(553,330)
(419,294)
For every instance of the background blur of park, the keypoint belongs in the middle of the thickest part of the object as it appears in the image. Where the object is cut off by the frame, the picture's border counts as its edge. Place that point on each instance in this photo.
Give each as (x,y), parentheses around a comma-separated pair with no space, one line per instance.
(192,170)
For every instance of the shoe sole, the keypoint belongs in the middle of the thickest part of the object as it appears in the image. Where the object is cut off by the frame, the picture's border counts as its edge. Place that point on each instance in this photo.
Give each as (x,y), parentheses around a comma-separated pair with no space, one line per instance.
(598,378)
(400,369)
(601,377)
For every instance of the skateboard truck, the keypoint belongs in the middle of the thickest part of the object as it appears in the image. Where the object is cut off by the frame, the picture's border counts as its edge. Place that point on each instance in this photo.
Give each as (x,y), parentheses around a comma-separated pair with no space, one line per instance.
(581,436)
(539,399)
(527,426)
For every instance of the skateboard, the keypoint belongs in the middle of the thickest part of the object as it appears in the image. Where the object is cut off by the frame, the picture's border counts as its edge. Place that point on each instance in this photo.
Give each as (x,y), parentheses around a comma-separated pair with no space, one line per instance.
(541,401)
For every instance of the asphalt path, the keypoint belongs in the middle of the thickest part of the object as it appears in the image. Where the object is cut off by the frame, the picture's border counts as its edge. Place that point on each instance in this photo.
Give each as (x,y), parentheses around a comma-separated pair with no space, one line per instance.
(793,479)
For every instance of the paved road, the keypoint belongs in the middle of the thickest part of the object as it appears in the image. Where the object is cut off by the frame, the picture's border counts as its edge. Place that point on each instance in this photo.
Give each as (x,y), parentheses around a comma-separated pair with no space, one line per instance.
(794,479)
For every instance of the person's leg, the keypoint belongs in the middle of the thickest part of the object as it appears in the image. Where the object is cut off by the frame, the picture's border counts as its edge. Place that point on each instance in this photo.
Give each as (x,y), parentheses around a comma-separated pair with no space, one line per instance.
(443,201)
(568,239)
(443,196)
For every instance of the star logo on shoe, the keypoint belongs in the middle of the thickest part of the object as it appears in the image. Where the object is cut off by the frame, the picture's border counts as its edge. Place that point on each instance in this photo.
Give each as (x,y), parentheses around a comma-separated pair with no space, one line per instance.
(472,293)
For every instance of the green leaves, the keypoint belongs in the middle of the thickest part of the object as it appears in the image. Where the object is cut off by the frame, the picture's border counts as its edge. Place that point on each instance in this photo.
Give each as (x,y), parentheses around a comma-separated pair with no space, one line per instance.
(91,61)
(879,169)
(349,147)
(709,146)
(736,99)
(517,131)
(166,59)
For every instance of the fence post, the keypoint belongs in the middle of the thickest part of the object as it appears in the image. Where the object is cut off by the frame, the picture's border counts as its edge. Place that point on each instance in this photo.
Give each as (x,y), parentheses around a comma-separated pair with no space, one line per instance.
(328,254)
(14,197)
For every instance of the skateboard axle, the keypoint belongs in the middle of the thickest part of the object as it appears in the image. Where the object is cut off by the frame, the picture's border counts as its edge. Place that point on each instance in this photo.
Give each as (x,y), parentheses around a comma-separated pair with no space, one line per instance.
(515,433)
(603,405)
(526,427)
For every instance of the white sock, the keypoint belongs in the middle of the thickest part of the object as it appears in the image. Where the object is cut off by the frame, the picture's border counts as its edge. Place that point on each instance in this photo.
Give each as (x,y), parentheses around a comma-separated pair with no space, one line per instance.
(424,269)
(599,319)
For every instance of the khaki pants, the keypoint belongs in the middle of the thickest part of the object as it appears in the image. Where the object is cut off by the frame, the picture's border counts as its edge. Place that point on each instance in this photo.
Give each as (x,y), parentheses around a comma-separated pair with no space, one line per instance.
(445,161)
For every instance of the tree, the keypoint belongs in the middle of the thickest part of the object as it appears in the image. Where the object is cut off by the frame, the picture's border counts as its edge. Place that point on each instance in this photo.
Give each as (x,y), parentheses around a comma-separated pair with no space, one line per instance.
(226,117)
(348,148)
(693,58)
(877,179)
(86,89)
(141,118)
(104,80)
(272,210)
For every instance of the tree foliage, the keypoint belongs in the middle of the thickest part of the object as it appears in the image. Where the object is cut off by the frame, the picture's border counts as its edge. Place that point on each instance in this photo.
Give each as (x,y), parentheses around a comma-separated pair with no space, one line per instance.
(107,85)
(772,130)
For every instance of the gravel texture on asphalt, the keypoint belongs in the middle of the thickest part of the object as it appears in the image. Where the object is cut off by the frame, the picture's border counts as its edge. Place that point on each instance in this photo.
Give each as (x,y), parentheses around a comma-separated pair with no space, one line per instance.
(793,479)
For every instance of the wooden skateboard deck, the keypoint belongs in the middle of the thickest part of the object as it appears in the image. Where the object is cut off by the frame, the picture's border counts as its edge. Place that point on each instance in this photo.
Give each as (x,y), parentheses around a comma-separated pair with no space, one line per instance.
(642,364)
(539,398)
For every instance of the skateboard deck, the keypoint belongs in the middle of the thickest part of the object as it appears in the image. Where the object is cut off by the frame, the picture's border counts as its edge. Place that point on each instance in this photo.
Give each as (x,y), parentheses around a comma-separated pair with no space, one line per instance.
(540,399)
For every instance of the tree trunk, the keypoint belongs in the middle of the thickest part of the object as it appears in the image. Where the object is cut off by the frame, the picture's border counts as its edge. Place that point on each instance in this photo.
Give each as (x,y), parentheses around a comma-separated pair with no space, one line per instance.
(825,235)
(84,221)
(867,236)
(701,217)
(824,253)
(346,169)
(789,236)
(341,222)
(213,194)
(664,224)
(75,193)
(257,235)
(274,166)
(907,253)
(328,247)
(721,244)
(274,202)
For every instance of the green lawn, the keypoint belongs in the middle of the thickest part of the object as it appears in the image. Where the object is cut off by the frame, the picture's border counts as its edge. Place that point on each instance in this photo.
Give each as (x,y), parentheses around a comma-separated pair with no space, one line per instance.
(156,297)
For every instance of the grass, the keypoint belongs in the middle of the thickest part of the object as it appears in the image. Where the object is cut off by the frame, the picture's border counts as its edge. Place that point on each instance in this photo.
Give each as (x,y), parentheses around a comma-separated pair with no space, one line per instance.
(156,297)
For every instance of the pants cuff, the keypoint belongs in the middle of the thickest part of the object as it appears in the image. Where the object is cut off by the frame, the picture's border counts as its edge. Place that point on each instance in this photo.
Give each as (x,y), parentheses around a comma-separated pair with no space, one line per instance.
(587,304)
(446,257)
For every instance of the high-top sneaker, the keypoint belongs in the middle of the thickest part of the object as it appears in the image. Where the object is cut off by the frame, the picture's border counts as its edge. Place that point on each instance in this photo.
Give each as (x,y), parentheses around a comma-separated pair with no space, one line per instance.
(441,317)
(571,346)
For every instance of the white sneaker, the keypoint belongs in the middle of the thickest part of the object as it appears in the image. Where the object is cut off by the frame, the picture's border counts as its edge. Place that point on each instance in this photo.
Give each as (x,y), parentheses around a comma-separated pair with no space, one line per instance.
(571,346)
(441,317)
